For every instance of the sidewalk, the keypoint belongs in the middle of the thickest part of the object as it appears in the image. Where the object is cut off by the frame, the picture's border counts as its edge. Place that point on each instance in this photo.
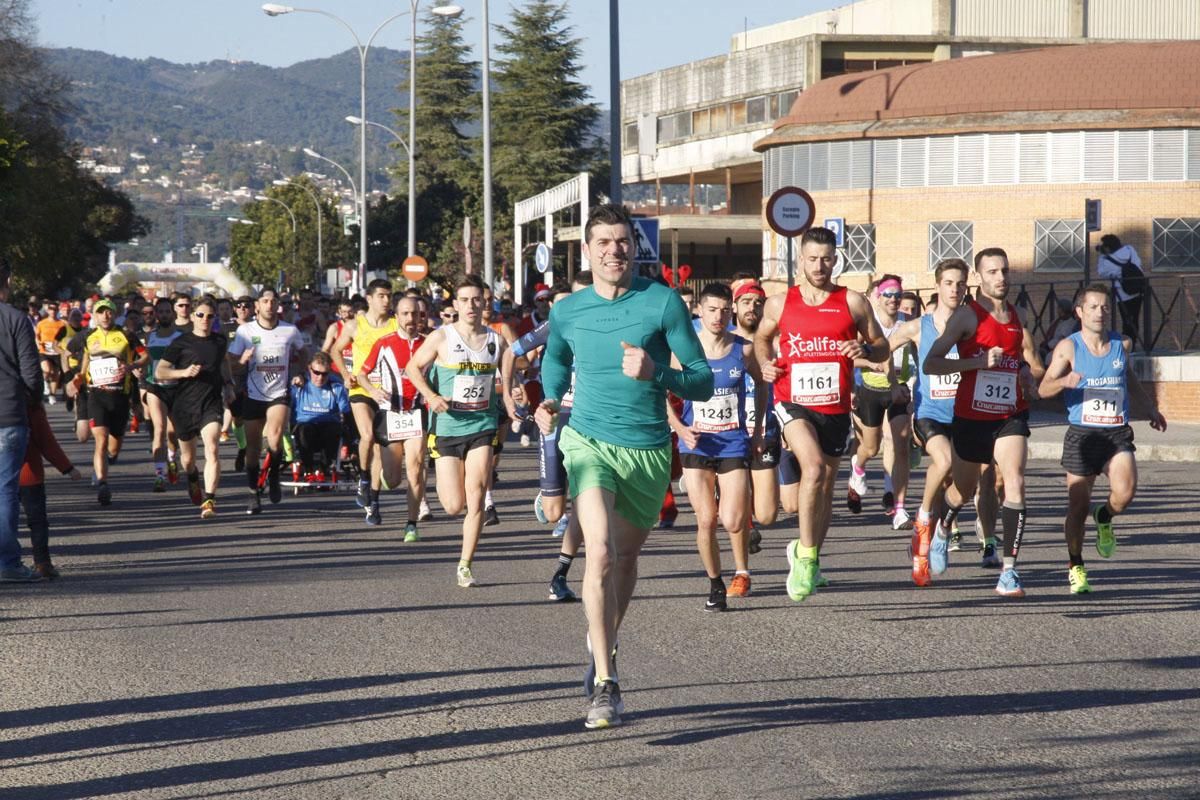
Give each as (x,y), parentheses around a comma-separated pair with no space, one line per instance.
(1180,442)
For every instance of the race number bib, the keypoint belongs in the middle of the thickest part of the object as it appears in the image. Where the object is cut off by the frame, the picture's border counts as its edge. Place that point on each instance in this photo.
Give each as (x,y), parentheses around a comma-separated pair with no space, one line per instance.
(1103,407)
(716,415)
(271,365)
(48,348)
(995,392)
(403,425)
(104,371)
(472,392)
(816,384)
(751,413)
(944,387)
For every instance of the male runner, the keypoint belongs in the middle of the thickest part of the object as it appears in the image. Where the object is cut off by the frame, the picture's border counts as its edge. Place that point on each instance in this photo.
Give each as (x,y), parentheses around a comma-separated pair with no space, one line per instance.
(402,420)
(934,399)
(883,395)
(1092,368)
(109,357)
(160,394)
(618,336)
(47,332)
(818,326)
(714,447)
(195,362)
(360,334)
(268,351)
(243,310)
(748,300)
(999,366)
(464,358)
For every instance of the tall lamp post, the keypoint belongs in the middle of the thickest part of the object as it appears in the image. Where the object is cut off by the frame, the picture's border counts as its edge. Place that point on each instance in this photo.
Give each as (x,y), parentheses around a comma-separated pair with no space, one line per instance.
(276,9)
(288,209)
(412,197)
(317,203)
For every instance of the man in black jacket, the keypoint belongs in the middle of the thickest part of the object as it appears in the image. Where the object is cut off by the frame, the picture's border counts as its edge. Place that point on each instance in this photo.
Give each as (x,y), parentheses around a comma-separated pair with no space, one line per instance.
(20,384)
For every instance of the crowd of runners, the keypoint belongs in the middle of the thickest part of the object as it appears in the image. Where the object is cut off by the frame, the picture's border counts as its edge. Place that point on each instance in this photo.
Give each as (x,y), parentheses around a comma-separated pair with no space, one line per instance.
(749,401)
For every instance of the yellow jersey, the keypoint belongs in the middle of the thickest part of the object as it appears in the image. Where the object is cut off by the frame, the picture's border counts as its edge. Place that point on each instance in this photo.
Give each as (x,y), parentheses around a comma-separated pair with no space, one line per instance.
(365,337)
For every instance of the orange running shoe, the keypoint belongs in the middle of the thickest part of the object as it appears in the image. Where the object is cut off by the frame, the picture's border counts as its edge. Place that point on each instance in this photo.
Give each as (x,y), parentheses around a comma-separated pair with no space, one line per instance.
(920,553)
(920,571)
(739,586)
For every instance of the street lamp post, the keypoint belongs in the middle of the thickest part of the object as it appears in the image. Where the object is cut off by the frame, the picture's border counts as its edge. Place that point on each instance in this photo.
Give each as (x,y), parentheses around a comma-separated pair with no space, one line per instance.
(488,266)
(287,208)
(412,198)
(317,203)
(276,9)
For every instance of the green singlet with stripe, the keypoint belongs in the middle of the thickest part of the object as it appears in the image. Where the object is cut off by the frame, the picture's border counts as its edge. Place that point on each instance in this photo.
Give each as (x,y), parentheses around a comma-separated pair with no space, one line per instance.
(468,380)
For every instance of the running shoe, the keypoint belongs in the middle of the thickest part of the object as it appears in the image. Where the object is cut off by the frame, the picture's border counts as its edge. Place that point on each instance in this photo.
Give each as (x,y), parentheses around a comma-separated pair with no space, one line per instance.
(855,491)
(254,506)
(819,580)
(755,545)
(560,530)
(208,509)
(716,599)
(194,493)
(424,514)
(739,586)
(525,440)
(274,490)
(1106,540)
(559,591)
(46,570)
(606,707)
(1009,584)
(160,484)
(135,422)
(410,533)
(19,574)
(538,512)
(667,521)
(888,501)
(955,539)
(901,521)
(490,517)
(465,579)
(224,437)
(801,573)
(939,551)
(172,472)
(589,675)
(104,496)
(374,518)
(990,560)
(363,497)
(112,459)
(52,400)
(921,539)
(1077,577)
(920,571)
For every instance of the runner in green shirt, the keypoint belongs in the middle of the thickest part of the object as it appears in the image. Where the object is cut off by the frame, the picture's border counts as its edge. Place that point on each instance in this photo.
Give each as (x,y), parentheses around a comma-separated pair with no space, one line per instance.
(619,334)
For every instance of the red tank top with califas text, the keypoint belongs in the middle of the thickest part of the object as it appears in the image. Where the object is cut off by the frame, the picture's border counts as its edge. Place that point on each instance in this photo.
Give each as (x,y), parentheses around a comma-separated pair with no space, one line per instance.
(816,374)
(991,394)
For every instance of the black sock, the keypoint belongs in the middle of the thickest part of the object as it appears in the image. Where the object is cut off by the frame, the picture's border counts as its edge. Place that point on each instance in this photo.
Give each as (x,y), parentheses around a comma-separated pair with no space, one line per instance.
(194,475)
(210,496)
(374,495)
(1103,514)
(276,463)
(948,517)
(1076,559)
(1013,520)
(564,565)
(252,477)
(717,585)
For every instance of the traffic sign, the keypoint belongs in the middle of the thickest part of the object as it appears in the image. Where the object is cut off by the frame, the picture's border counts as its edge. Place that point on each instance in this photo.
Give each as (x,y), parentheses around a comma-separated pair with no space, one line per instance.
(645,236)
(415,268)
(541,258)
(837,225)
(791,211)
(1091,215)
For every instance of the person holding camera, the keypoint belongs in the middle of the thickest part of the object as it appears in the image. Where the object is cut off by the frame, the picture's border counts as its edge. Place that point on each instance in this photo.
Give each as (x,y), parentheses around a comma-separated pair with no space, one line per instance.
(1120,265)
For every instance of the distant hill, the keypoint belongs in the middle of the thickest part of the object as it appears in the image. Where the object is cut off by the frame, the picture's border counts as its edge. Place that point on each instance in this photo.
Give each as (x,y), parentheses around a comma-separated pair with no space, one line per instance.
(123,102)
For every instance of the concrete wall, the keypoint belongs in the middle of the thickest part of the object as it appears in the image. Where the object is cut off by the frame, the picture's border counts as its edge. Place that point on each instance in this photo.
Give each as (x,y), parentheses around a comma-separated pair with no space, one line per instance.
(866,17)
(700,153)
(1029,18)
(1143,19)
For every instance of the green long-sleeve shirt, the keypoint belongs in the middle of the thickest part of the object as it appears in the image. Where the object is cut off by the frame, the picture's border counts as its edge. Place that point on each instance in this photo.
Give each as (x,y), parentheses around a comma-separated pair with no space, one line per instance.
(587,330)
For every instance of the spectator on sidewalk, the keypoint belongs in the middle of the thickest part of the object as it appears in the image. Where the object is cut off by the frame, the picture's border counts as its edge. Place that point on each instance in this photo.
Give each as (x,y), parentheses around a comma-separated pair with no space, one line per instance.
(1120,265)
(20,385)
(42,444)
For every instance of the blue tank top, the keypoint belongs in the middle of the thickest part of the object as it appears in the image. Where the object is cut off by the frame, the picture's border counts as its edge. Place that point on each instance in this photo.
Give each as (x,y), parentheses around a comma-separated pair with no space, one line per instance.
(721,419)
(770,423)
(934,396)
(1101,399)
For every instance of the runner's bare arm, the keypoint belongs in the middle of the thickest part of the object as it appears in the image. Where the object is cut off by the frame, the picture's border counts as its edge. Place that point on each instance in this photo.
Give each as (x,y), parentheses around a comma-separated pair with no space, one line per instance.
(330,338)
(507,362)
(419,363)
(873,347)
(346,337)
(960,325)
(764,339)
(1138,393)
(1060,374)
(908,333)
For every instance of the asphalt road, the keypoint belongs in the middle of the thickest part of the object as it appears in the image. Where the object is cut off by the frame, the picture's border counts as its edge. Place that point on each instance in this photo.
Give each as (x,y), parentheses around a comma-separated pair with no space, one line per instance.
(302,655)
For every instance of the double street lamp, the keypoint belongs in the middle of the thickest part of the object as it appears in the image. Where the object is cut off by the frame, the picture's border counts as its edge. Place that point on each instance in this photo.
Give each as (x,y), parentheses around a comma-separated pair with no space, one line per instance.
(276,9)
(317,203)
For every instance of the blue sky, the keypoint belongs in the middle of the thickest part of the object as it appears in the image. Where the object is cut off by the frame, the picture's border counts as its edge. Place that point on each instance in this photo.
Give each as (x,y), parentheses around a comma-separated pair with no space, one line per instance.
(654,33)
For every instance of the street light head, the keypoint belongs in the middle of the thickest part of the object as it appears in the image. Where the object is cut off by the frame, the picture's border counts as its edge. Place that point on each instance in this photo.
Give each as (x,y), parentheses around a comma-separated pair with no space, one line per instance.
(281,182)
(448,11)
(353,120)
(276,10)
(261,197)
(308,151)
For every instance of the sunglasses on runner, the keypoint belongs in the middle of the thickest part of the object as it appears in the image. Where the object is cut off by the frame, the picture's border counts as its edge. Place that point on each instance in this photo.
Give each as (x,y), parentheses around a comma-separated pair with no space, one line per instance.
(318,371)
(889,295)
(201,315)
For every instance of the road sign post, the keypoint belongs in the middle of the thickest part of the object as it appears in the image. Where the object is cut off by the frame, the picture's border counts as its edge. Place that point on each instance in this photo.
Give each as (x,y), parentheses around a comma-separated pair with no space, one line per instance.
(1091,223)
(790,212)
(541,258)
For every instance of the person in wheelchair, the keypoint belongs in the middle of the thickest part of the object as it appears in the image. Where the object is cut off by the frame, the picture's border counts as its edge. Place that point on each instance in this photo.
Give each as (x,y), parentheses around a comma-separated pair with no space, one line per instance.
(319,405)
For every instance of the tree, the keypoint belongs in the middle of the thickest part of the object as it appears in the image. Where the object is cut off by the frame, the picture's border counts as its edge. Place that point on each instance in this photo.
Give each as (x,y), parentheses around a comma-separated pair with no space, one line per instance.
(447,180)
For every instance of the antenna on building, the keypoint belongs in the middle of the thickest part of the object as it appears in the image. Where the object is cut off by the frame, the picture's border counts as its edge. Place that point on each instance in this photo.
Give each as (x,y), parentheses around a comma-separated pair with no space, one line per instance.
(831,23)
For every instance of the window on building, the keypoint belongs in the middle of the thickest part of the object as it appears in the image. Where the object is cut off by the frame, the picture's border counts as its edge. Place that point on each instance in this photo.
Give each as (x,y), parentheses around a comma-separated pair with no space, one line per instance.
(737,114)
(1059,244)
(785,102)
(756,110)
(951,240)
(858,256)
(631,136)
(700,121)
(1177,243)
(719,118)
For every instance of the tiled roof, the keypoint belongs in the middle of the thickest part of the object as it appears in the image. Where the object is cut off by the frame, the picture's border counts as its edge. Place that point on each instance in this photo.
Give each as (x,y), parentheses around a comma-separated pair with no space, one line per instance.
(1130,78)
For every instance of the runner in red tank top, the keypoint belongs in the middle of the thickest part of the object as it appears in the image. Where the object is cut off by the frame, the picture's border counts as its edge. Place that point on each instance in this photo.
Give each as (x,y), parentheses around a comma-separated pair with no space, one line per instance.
(806,344)
(1000,367)
(402,419)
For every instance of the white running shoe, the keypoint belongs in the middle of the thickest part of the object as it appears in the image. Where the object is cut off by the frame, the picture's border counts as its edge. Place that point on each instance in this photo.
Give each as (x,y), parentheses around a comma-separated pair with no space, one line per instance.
(901,521)
(858,483)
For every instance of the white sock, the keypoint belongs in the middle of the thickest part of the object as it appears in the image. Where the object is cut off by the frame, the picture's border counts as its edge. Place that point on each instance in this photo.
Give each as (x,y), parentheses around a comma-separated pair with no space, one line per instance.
(487,499)
(857,469)
(923,515)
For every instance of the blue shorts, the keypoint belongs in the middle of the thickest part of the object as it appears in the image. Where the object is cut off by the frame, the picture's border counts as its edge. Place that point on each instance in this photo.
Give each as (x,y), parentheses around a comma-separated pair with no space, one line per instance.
(552,473)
